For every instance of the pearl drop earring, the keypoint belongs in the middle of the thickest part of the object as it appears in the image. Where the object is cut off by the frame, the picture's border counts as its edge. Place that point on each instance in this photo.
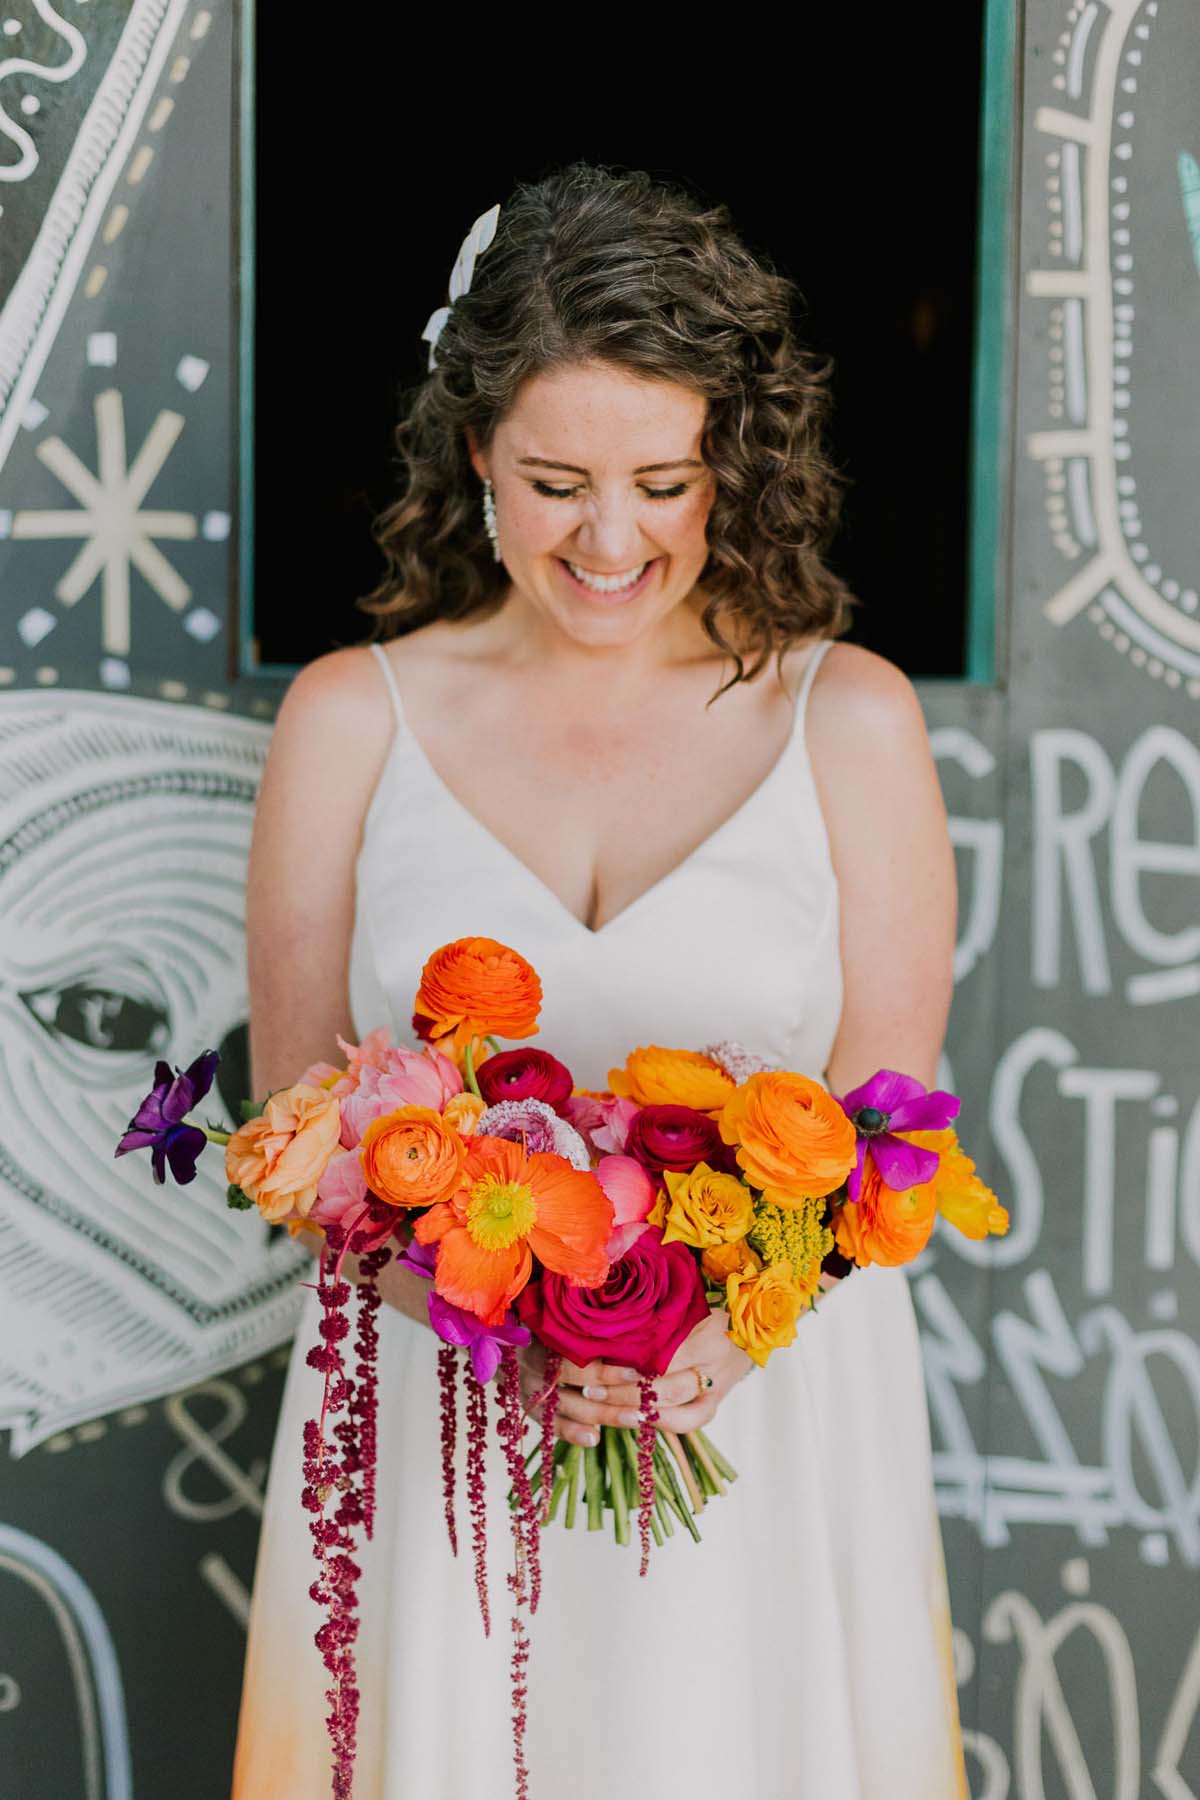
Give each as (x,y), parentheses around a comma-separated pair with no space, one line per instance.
(489,518)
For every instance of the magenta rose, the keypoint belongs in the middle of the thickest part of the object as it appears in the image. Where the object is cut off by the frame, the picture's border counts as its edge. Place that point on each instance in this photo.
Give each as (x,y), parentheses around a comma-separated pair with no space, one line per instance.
(677,1137)
(524,1075)
(652,1299)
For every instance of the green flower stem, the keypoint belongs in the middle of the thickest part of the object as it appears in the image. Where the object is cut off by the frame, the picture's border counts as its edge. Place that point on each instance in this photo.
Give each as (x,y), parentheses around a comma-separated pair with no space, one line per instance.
(663,1511)
(594,1484)
(469,1064)
(655,1533)
(214,1136)
(707,1476)
(612,1458)
(687,1473)
(676,1497)
(571,1464)
(723,1468)
(494,1042)
(557,1491)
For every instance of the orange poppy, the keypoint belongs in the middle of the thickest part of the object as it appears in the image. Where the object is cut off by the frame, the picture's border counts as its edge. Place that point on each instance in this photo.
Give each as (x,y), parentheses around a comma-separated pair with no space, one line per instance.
(510,1207)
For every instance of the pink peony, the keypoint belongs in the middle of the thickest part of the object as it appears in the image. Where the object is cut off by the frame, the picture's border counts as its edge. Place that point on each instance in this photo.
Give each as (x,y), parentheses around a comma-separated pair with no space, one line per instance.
(605,1123)
(633,1193)
(413,1078)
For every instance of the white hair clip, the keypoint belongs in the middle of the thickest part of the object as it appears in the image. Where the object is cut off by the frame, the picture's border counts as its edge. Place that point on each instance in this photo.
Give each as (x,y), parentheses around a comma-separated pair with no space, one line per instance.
(473,245)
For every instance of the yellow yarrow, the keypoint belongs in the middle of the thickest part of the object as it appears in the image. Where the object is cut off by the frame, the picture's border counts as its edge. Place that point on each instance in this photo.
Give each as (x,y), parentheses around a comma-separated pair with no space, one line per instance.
(793,1235)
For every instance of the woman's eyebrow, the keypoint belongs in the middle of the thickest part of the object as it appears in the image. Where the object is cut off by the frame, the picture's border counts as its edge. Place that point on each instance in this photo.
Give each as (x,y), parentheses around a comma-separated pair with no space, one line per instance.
(541,462)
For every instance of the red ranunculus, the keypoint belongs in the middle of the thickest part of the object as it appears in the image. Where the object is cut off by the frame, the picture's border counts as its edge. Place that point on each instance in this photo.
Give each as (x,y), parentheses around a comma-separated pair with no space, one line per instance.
(524,1075)
(665,1136)
(653,1297)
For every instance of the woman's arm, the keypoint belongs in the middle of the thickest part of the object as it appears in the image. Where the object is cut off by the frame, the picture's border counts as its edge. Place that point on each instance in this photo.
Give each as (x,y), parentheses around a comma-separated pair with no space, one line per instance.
(328,746)
(891,850)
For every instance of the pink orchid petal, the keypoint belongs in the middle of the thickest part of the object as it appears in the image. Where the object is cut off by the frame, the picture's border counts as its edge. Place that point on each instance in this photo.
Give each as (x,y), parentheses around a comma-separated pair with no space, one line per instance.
(630,1187)
(622,1238)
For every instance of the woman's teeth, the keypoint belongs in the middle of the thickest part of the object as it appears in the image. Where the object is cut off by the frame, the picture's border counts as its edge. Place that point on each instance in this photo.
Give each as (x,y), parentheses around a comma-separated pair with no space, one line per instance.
(607,584)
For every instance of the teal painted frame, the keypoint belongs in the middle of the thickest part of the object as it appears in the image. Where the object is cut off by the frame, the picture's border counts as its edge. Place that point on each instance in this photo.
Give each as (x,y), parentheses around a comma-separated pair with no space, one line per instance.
(989,478)
(992,381)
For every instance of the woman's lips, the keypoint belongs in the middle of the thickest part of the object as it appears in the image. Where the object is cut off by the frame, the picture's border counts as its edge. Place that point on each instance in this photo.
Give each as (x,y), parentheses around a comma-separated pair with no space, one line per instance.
(622,594)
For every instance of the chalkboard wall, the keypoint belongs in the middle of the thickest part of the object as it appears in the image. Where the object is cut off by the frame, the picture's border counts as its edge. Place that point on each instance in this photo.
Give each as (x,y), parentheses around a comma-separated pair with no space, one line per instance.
(142,1346)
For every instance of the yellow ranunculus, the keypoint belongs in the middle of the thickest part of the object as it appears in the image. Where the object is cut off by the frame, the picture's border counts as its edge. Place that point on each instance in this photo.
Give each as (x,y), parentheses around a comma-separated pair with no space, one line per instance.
(706,1207)
(763,1309)
(464,1112)
(653,1076)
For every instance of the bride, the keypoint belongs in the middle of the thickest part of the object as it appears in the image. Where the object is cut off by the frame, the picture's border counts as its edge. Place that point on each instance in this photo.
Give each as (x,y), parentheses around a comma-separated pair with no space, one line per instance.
(605,719)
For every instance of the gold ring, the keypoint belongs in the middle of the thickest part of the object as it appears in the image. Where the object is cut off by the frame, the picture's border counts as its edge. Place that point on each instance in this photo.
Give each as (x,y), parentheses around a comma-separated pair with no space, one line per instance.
(704,1381)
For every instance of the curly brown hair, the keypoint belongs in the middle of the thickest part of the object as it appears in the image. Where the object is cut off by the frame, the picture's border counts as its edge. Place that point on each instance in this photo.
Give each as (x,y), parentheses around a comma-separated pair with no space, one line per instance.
(598,263)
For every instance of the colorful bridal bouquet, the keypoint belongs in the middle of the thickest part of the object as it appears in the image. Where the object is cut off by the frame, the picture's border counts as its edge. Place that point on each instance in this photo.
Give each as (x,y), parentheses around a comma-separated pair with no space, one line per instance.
(604,1225)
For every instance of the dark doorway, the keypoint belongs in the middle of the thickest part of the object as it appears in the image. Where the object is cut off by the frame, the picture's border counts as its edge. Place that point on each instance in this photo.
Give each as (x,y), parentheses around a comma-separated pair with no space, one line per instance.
(851,156)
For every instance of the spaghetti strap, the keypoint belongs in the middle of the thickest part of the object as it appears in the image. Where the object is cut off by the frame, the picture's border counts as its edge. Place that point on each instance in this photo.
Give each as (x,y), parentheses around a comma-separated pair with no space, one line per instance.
(809,672)
(389,677)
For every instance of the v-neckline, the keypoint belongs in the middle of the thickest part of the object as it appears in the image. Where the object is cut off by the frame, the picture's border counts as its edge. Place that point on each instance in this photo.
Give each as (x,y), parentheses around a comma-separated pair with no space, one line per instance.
(405,733)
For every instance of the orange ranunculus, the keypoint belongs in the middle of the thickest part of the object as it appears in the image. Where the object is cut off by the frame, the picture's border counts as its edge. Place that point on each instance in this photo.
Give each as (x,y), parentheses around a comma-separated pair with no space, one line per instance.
(279,1157)
(512,1206)
(723,1260)
(703,1206)
(763,1309)
(794,1142)
(886,1225)
(412,1156)
(475,986)
(653,1076)
(464,1112)
(962,1196)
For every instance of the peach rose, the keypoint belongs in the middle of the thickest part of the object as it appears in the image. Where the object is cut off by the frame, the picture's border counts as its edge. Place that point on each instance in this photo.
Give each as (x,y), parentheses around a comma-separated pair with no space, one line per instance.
(464,1112)
(278,1158)
(413,1156)
(653,1076)
(702,1207)
(886,1225)
(763,1309)
(472,987)
(794,1142)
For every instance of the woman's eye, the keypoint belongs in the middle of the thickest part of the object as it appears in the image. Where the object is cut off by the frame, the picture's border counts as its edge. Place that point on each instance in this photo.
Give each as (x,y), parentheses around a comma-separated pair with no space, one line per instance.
(553,493)
(99,1017)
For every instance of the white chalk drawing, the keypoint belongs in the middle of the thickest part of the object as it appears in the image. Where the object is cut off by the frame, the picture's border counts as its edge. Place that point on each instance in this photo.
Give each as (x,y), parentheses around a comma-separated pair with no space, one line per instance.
(117,530)
(88,1653)
(124,832)
(1142,610)
(42,292)
(18,70)
(203,1446)
(1093,853)
(1040,1352)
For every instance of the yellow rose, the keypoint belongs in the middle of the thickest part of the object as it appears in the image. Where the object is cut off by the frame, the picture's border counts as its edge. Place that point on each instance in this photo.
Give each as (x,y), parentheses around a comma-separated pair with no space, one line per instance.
(279,1157)
(706,1207)
(653,1076)
(723,1260)
(763,1309)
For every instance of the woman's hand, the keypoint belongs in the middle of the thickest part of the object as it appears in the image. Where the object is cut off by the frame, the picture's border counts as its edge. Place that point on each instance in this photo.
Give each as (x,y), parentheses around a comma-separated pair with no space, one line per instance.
(601,1393)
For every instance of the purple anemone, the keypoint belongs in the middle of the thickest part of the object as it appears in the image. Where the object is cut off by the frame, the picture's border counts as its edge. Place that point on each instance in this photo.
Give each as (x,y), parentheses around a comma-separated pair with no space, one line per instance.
(158,1126)
(890,1102)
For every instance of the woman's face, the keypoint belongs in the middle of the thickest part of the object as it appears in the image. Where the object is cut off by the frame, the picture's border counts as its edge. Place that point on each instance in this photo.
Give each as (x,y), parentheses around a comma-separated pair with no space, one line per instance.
(596,472)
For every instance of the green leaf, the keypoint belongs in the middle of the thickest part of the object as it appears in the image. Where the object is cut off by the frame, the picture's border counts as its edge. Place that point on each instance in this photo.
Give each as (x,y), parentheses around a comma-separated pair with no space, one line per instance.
(235,1197)
(251,1109)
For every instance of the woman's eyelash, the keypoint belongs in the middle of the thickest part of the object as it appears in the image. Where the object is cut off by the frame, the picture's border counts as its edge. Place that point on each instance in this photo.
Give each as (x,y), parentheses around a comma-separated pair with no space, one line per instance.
(554,493)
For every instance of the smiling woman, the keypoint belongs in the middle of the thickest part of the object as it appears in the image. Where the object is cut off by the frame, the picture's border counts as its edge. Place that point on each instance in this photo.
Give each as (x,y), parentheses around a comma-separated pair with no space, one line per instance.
(614,485)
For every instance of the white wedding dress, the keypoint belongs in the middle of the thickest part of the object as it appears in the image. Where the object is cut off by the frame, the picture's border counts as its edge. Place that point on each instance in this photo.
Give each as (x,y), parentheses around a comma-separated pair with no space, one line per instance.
(802,1651)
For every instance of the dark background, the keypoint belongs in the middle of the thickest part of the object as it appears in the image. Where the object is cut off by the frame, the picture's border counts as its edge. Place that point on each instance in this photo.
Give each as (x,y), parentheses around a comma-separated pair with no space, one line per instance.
(851,160)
